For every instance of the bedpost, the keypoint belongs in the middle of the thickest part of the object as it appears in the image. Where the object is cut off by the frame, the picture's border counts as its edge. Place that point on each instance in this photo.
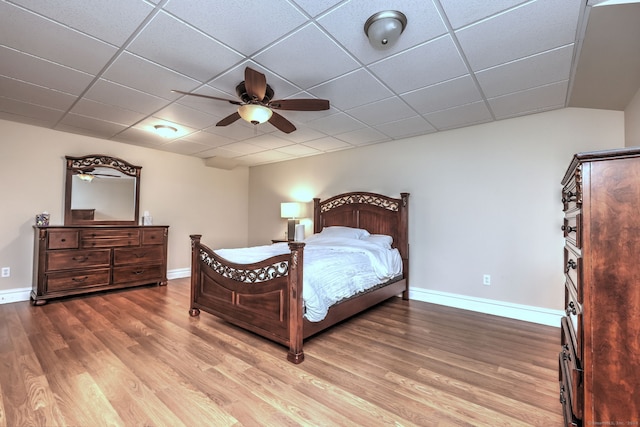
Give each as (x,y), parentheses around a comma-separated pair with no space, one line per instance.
(195,271)
(317,227)
(404,249)
(295,355)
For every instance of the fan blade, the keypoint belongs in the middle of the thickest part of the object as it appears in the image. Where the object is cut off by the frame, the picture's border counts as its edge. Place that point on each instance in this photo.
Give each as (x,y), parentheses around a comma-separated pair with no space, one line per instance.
(208,97)
(229,119)
(255,83)
(281,123)
(300,104)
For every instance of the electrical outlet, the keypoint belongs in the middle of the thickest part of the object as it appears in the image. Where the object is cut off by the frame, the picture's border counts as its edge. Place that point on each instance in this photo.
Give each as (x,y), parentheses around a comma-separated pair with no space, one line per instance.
(486,279)
(6,271)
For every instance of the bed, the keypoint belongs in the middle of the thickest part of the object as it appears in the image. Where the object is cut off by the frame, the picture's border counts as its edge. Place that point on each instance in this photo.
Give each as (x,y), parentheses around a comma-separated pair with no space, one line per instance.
(265,296)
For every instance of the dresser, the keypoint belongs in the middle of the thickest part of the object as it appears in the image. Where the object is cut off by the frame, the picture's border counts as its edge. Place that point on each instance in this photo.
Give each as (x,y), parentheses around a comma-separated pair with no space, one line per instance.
(73,260)
(599,361)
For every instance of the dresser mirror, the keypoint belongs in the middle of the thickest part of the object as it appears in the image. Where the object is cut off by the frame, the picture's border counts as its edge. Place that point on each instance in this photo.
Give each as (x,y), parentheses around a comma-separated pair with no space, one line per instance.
(101,190)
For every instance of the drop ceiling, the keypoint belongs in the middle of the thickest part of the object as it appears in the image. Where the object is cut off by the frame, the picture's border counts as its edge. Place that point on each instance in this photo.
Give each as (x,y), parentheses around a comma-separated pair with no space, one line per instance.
(106,69)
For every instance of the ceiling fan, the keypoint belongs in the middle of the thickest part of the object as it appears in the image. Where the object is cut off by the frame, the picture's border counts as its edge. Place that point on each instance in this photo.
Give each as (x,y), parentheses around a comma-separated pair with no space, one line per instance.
(256,103)
(88,174)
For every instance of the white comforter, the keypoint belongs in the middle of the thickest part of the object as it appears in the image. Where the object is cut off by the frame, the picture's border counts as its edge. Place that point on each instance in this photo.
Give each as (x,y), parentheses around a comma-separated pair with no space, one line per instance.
(334,268)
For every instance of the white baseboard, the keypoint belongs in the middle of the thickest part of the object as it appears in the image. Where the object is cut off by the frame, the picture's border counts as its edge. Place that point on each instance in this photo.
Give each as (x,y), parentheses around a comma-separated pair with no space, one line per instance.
(527,313)
(178,273)
(15,295)
(24,294)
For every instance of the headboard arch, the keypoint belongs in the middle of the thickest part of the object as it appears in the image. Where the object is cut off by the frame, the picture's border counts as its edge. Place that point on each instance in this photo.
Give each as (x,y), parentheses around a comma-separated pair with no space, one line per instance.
(376,213)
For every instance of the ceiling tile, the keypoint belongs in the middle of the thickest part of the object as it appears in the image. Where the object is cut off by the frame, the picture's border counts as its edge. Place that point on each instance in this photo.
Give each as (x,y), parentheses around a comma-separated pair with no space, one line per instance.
(226,21)
(407,127)
(351,90)
(113,21)
(52,41)
(465,115)
(33,94)
(328,144)
(318,58)
(149,77)
(121,96)
(30,69)
(41,114)
(182,48)
(387,110)
(97,110)
(464,13)
(459,91)
(208,139)
(520,32)
(101,128)
(526,102)
(532,71)
(335,124)
(430,63)
(362,136)
(182,114)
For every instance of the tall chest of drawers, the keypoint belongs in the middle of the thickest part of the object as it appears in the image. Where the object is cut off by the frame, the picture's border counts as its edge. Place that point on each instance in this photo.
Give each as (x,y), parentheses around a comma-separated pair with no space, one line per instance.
(599,362)
(77,260)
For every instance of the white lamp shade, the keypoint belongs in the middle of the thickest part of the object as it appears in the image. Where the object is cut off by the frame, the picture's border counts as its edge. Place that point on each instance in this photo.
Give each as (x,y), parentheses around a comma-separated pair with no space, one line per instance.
(254,113)
(291,210)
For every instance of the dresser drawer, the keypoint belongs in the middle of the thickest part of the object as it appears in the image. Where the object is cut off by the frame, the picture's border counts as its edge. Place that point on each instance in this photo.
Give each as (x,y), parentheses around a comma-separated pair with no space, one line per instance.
(573,271)
(71,280)
(152,236)
(572,228)
(570,369)
(572,192)
(109,238)
(140,255)
(65,260)
(566,396)
(138,274)
(63,239)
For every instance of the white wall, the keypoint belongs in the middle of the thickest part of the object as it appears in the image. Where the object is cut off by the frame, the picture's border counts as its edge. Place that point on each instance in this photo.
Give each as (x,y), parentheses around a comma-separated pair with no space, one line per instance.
(177,190)
(632,122)
(484,199)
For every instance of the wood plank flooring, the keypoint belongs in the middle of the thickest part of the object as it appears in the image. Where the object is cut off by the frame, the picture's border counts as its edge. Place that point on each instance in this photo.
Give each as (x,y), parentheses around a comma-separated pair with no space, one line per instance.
(136,358)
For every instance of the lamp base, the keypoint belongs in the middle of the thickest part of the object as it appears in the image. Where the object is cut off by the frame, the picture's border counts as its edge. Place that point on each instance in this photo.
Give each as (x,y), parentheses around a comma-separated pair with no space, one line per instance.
(291,228)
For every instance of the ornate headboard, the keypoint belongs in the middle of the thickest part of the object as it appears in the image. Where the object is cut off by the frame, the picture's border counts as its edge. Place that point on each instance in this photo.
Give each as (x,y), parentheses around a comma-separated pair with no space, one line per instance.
(376,213)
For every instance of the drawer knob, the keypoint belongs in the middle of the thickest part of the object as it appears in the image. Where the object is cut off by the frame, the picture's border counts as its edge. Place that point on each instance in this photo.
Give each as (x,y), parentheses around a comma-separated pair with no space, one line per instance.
(63,240)
(569,197)
(568,228)
(571,308)
(571,265)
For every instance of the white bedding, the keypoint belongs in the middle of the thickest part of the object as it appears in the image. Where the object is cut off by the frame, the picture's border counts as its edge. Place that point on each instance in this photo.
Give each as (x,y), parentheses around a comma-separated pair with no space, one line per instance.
(335,267)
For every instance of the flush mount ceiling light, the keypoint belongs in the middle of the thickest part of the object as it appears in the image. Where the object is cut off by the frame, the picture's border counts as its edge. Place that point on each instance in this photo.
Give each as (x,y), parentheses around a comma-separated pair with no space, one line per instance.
(254,113)
(384,28)
(165,131)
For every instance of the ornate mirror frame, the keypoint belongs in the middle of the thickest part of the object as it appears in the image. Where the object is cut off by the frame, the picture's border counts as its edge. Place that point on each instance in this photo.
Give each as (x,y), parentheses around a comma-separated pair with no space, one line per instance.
(86,164)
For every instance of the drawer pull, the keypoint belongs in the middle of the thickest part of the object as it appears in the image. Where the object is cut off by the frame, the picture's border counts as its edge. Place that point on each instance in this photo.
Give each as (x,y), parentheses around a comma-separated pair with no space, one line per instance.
(570,197)
(571,308)
(80,279)
(138,272)
(140,255)
(571,265)
(568,228)
(80,258)
(562,398)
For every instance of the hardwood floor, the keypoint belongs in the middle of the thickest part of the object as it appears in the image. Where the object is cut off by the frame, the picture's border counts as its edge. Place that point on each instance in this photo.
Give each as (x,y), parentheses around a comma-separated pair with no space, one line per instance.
(135,357)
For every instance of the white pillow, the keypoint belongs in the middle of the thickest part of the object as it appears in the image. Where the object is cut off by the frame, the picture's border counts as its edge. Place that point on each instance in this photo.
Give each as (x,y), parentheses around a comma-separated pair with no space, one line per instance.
(345,232)
(381,240)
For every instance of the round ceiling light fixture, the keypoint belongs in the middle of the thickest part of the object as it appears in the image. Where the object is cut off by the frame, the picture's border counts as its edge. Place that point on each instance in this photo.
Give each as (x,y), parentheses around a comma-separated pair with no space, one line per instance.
(255,113)
(384,28)
(165,131)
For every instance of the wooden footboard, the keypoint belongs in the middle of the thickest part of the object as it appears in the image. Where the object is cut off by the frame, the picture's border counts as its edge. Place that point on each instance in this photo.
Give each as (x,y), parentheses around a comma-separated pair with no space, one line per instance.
(263,297)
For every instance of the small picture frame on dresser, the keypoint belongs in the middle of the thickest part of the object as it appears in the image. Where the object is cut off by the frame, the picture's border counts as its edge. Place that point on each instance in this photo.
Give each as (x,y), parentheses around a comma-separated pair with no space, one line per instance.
(42,219)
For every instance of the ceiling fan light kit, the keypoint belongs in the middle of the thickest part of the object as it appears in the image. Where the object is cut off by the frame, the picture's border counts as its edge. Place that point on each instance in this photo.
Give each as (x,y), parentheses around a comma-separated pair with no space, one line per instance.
(254,113)
(383,29)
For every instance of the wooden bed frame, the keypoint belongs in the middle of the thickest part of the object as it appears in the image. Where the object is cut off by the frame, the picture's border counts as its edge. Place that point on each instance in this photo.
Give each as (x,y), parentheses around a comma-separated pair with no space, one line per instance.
(266,297)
